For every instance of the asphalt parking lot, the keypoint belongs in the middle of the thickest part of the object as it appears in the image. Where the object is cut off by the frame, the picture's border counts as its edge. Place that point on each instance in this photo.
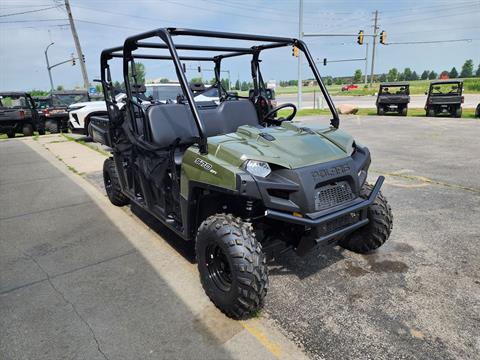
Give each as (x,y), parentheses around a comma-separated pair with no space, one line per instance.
(418,297)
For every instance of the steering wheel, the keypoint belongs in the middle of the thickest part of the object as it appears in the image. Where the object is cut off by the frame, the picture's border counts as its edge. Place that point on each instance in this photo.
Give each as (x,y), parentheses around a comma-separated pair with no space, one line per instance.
(269,116)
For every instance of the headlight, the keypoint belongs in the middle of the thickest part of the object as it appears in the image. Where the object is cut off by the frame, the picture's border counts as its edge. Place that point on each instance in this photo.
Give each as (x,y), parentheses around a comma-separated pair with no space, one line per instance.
(258,168)
(72,108)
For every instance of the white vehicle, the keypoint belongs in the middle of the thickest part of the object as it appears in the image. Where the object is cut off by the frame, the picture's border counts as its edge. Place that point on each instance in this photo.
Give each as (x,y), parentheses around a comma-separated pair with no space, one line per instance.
(79,114)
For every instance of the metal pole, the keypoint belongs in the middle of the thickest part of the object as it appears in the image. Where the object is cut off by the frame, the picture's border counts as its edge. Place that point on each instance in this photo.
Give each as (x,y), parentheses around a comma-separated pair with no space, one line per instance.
(375,28)
(86,83)
(48,67)
(366,63)
(300,36)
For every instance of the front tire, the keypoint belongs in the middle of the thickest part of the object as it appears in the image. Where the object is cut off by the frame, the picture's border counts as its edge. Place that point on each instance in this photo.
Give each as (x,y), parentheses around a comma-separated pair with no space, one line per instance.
(11,134)
(404,111)
(380,111)
(27,130)
(377,231)
(431,113)
(112,184)
(232,266)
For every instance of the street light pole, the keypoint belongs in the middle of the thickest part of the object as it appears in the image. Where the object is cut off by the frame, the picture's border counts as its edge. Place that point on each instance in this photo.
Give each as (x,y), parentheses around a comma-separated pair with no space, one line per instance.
(366,63)
(48,67)
(300,36)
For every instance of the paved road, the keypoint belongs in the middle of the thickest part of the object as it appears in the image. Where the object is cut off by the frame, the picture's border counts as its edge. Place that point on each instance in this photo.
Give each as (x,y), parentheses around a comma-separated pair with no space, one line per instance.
(418,297)
(416,101)
(81,279)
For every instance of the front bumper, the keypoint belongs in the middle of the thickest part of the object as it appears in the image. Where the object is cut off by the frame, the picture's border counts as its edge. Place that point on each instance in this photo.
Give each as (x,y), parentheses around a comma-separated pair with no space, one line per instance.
(316,220)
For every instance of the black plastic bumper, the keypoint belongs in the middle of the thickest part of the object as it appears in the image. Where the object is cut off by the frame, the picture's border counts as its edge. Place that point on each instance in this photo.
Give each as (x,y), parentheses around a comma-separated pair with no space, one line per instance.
(317,219)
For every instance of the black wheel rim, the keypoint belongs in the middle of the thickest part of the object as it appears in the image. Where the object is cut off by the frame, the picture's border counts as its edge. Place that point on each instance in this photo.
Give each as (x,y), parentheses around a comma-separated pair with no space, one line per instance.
(108,183)
(218,268)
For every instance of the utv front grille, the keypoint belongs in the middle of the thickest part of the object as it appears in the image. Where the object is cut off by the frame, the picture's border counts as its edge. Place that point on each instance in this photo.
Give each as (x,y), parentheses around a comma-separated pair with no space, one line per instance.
(333,194)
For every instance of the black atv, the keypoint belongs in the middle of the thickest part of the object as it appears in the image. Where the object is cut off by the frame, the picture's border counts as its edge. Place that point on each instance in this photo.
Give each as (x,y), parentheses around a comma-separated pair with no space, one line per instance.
(445,97)
(393,97)
(231,177)
(18,113)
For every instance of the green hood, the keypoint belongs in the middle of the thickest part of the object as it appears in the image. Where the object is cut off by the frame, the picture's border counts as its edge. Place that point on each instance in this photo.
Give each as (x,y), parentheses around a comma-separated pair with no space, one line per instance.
(292,147)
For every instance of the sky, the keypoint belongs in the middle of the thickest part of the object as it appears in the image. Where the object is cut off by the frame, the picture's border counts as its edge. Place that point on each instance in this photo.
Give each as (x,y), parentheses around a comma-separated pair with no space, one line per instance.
(106,23)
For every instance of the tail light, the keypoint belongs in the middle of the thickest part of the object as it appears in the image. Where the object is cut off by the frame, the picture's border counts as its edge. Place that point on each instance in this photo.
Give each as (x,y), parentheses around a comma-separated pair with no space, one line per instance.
(21,113)
(463,99)
(46,112)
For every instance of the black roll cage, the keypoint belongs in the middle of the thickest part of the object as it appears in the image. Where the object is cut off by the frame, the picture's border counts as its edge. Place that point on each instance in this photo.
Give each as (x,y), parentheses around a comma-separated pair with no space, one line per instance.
(135,42)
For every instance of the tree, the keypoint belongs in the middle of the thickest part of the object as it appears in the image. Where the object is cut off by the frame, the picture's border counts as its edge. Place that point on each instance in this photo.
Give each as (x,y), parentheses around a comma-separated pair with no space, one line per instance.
(401,76)
(407,74)
(139,74)
(357,77)
(198,80)
(467,69)
(453,73)
(432,75)
(99,88)
(163,81)
(477,73)
(414,76)
(392,74)
(425,75)
(225,84)
(329,80)
(60,88)
(237,84)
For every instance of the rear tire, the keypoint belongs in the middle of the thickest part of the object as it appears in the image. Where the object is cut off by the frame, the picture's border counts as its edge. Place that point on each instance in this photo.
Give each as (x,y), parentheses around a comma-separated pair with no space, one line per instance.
(112,184)
(431,112)
(52,126)
(11,134)
(27,130)
(477,111)
(458,112)
(380,110)
(232,266)
(377,231)
(404,111)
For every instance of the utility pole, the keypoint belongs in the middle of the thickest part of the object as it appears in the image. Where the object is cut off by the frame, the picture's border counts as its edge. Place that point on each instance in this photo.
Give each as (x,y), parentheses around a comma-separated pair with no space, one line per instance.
(366,63)
(375,28)
(300,36)
(86,83)
(48,67)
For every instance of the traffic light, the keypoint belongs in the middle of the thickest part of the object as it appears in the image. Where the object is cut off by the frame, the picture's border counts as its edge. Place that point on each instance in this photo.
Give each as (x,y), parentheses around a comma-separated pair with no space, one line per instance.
(383,38)
(73,61)
(360,37)
(324,61)
(83,57)
(295,51)
(199,69)
(184,68)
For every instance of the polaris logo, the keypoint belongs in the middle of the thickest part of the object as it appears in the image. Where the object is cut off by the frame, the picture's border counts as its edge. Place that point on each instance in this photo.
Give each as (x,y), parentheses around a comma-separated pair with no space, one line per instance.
(333,171)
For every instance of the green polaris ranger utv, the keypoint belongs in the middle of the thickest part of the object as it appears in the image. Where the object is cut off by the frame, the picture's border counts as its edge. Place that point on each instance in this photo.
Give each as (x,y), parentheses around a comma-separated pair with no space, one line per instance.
(228,175)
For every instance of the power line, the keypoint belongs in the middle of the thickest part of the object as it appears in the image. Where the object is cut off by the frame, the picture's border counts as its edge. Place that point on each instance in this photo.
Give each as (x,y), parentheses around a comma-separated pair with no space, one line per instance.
(29,11)
(26,21)
(428,42)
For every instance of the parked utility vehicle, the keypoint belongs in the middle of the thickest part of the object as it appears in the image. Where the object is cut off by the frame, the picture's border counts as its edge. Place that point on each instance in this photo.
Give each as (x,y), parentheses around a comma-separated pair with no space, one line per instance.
(393,97)
(445,97)
(231,177)
(18,114)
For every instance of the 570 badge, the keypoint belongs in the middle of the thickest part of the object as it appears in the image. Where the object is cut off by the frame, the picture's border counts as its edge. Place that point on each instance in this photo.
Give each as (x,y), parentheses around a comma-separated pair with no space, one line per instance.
(207,166)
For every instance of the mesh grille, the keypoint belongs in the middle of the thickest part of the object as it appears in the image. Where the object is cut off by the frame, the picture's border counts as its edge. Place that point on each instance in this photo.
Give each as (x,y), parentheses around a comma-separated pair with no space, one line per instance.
(333,194)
